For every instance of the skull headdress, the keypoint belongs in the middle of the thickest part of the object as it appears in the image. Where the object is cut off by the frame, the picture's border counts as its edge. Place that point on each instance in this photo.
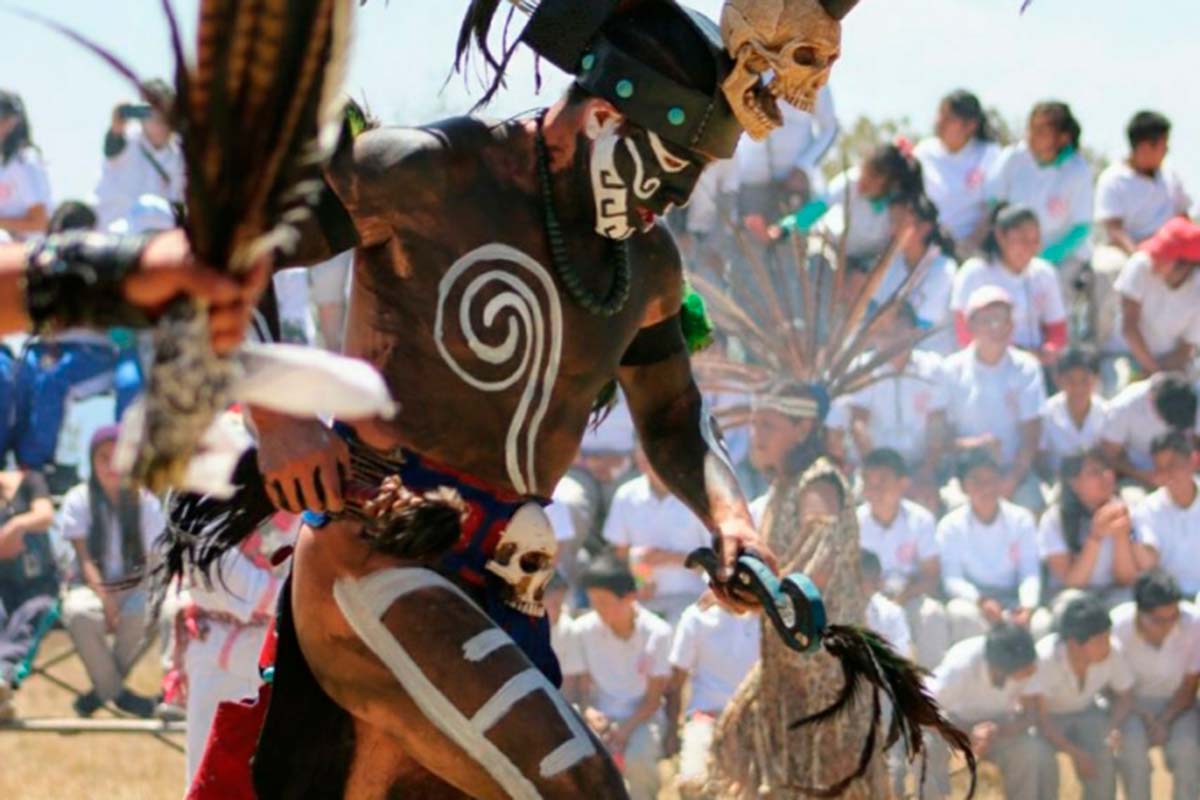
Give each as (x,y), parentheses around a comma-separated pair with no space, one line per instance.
(784,50)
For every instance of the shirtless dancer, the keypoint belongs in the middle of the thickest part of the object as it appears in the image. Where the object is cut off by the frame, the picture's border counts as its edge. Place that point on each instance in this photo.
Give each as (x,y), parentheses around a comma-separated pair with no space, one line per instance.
(504,274)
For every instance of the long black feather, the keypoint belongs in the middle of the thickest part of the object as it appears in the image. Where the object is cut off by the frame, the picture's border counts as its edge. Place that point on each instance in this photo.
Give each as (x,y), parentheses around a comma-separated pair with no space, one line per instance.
(867,659)
(200,528)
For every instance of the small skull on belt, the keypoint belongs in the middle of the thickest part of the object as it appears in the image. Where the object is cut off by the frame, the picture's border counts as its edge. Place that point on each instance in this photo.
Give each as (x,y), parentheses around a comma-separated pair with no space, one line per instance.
(524,558)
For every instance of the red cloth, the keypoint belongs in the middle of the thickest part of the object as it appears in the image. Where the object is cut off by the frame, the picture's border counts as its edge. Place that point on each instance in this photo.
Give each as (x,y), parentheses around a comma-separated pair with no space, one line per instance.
(1177,240)
(224,772)
(962,331)
(1054,336)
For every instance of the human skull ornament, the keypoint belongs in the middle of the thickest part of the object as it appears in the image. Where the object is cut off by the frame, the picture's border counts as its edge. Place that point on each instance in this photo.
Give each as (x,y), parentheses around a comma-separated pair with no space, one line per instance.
(796,40)
(524,558)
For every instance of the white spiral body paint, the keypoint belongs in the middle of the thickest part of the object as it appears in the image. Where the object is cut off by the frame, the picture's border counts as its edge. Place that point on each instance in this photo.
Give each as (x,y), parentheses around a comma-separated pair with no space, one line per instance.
(535,319)
(363,603)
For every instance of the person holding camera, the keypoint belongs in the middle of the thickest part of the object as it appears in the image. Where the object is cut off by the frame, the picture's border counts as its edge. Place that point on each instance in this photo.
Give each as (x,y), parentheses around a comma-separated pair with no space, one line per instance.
(142,155)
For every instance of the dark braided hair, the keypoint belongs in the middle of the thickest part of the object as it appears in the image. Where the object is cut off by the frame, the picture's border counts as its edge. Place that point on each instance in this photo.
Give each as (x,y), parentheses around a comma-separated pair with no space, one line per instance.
(901,172)
(926,212)
(21,136)
(1073,514)
(966,106)
(1059,115)
(1005,217)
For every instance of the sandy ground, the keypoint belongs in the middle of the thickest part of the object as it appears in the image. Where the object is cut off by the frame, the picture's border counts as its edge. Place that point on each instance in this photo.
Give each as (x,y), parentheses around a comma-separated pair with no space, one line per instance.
(46,766)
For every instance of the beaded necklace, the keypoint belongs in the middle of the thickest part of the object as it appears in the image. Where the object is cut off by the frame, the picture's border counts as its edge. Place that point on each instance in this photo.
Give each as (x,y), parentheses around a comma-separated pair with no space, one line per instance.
(560,259)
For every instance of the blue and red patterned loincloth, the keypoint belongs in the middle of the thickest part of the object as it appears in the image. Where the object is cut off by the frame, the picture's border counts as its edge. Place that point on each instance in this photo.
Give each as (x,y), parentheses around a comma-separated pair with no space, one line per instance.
(274,729)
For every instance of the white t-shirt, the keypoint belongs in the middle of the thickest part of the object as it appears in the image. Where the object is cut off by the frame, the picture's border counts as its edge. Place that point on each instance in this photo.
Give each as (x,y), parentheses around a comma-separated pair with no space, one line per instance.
(957,182)
(1035,292)
(1060,436)
(292,298)
(561,634)
(614,434)
(75,518)
(929,295)
(1052,542)
(799,144)
(1060,194)
(717,649)
(561,521)
(1002,556)
(620,669)
(640,518)
(1142,204)
(1133,423)
(899,405)
(1056,684)
(870,222)
(901,547)
(887,619)
(962,684)
(1175,533)
(994,399)
(1168,315)
(23,184)
(1158,671)
(331,279)
(131,174)
(758,508)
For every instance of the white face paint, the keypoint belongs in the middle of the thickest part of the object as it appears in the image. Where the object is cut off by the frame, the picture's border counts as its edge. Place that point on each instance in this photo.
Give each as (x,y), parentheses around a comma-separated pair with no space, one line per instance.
(609,192)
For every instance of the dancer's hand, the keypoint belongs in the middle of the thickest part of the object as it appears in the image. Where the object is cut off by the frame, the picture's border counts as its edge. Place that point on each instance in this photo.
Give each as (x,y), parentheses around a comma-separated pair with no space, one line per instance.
(168,270)
(738,537)
(302,461)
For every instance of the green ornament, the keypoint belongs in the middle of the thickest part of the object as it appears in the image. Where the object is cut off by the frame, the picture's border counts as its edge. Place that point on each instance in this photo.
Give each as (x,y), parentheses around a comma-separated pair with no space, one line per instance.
(676,116)
(693,316)
(589,61)
(625,88)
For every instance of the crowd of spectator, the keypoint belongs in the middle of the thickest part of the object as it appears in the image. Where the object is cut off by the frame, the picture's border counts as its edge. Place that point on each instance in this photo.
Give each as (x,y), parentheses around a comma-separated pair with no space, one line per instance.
(1026,475)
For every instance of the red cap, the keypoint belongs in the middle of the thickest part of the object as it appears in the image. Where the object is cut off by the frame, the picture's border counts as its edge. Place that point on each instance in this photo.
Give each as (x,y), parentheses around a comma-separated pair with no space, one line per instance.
(1178,240)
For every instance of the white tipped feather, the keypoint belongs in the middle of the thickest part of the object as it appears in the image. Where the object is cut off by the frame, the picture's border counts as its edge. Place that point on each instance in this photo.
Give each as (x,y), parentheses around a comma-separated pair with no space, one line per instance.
(305,381)
(216,458)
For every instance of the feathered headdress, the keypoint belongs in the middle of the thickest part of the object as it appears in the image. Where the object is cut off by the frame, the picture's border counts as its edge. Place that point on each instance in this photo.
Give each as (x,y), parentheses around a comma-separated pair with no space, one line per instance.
(809,337)
(258,113)
(808,340)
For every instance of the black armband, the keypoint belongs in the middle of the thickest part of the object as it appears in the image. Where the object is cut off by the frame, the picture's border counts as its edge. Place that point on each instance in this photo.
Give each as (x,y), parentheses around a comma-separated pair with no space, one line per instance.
(74,279)
(657,343)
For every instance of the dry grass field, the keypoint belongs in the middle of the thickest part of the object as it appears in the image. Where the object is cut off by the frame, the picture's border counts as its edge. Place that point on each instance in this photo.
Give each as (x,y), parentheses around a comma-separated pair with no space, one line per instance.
(46,766)
(94,766)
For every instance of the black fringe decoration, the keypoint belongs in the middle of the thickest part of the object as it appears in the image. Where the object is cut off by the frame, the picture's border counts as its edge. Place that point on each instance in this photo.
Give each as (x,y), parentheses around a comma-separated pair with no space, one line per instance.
(411,525)
(473,35)
(867,658)
(201,529)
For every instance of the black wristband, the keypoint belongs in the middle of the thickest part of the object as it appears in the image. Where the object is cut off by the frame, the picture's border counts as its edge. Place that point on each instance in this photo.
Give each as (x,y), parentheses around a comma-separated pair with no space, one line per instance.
(74,279)
(656,343)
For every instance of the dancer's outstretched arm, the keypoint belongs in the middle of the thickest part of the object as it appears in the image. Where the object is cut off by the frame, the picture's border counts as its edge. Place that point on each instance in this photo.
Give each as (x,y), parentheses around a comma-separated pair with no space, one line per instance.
(143,275)
(680,436)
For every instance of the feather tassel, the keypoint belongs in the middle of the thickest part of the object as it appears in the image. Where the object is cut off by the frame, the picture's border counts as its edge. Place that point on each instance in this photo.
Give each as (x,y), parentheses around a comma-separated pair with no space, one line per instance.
(867,660)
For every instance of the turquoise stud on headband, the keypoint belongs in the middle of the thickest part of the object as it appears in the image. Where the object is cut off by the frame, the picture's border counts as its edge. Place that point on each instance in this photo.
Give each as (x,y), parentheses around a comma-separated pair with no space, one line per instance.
(588,61)
(676,116)
(625,88)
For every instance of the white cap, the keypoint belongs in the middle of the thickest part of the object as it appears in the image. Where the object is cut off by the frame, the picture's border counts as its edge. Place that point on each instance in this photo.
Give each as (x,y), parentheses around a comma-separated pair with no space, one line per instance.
(985,296)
